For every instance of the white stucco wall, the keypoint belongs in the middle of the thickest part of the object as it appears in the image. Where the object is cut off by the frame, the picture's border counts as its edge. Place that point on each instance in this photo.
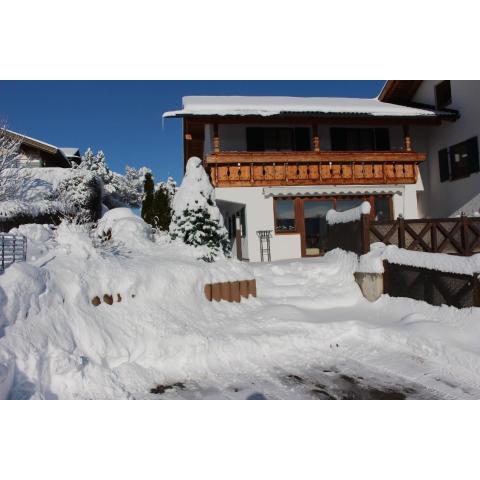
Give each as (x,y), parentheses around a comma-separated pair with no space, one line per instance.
(259,216)
(443,199)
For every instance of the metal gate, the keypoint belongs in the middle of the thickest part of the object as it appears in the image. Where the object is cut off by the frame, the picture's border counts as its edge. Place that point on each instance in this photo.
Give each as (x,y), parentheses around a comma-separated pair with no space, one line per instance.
(13,248)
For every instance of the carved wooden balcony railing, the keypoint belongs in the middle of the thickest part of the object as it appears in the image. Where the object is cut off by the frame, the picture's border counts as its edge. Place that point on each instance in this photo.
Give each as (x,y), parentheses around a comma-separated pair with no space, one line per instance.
(244,169)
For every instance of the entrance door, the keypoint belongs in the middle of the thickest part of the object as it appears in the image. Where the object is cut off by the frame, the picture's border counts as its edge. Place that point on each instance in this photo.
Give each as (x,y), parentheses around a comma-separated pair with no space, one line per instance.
(315,232)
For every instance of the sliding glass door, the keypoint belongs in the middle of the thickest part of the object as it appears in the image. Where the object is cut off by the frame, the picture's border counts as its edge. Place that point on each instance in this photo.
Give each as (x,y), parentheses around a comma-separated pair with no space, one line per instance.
(314,213)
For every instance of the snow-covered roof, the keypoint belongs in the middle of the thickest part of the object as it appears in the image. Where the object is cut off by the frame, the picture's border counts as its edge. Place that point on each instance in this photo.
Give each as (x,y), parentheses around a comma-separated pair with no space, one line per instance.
(269,106)
(70,151)
(28,139)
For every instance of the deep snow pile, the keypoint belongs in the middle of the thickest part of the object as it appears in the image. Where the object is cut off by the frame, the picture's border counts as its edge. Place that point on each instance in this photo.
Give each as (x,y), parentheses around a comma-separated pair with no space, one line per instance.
(56,344)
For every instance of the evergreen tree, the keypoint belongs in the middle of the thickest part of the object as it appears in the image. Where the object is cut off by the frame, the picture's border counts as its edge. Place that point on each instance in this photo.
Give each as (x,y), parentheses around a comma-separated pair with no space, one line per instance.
(147,204)
(162,210)
(196,218)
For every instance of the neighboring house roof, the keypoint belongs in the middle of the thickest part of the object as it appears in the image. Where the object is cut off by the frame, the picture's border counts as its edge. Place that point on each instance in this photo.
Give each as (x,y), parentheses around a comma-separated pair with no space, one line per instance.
(70,152)
(311,106)
(399,91)
(64,154)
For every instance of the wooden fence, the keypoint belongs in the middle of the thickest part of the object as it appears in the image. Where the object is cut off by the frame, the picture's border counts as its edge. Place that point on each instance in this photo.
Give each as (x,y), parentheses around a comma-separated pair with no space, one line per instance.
(458,236)
(432,286)
(13,248)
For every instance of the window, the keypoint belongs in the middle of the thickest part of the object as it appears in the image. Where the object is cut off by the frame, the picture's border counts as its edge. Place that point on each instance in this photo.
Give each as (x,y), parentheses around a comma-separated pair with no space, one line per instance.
(382,207)
(357,139)
(443,94)
(341,205)
(459,161)
(443,165)
(264,139)
(284,216)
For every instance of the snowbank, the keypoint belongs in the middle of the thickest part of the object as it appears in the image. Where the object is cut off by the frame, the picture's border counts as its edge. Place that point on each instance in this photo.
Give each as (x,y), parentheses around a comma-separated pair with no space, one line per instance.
(352,215)
(122,226)
(39,239)
(372,261)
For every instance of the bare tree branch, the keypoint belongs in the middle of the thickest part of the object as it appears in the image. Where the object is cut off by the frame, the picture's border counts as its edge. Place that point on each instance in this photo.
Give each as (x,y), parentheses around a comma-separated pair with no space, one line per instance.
(10,164)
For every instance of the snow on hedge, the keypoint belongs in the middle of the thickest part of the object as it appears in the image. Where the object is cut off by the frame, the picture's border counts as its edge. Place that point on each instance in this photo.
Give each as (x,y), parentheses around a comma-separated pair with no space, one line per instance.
(352,215)
(35,193)
(17,208)
(373,261)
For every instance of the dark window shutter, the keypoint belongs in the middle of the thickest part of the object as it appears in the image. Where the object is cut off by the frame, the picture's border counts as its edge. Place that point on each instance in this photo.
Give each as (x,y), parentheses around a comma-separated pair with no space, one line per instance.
(382,139)
(472,149)
(255,139)
(338,138)
(302,139)
(443,165)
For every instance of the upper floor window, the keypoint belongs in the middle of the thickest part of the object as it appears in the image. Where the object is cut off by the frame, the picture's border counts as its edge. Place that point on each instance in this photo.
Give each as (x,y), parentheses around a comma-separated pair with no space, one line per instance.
(459,161)
(264,139)
(360,139)
(443,94)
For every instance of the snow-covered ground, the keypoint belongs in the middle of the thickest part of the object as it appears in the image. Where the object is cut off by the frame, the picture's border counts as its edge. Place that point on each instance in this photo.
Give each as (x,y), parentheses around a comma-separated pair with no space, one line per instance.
(308,334)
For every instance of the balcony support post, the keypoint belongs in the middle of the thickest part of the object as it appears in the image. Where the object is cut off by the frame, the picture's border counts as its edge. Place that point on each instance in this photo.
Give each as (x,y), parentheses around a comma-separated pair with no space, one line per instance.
(407,140)
(216,138)
(316,138)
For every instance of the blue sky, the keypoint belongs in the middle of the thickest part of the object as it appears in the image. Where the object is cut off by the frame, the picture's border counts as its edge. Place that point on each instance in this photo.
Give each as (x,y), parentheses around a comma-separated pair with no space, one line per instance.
(124,118)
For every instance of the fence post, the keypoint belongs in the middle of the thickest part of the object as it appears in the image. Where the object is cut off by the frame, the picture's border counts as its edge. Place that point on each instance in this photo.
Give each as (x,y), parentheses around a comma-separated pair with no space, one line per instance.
(476,290)
(386,277)
(365,233)
(401,231)
(464,234)
(433,236)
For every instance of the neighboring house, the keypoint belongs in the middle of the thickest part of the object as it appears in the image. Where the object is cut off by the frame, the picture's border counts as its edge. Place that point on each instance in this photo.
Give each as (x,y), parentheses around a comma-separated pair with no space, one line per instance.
(451,174)
(280,163)
(36,153)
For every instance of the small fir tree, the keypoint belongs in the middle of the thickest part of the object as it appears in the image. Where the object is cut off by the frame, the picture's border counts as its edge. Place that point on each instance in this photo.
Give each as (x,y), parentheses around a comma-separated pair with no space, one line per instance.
(147,204)
(162,210)
(196,218)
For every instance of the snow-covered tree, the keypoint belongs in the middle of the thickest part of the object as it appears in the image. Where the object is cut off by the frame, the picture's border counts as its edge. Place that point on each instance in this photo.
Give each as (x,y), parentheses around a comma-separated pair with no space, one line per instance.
(81,192)
(196,218)
(9,164)
(119,190)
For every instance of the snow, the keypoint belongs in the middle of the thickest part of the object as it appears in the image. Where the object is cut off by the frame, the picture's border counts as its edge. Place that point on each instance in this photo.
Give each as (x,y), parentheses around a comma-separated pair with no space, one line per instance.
(125,227)
(267,106)
(38,183)
(372,261)
(354,214)
(309,317)
(39,239)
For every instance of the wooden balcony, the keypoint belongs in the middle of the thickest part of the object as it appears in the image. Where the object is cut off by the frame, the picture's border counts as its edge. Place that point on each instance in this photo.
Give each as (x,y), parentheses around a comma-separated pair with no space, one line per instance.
(247,169)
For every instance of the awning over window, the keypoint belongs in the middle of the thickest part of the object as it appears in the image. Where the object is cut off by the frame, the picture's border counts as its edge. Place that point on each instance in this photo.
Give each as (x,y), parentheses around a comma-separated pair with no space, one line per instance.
(316,191)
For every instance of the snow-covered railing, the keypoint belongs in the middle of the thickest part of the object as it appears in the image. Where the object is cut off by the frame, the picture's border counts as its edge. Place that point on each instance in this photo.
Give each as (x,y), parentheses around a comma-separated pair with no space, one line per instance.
(352,215)
(13,248)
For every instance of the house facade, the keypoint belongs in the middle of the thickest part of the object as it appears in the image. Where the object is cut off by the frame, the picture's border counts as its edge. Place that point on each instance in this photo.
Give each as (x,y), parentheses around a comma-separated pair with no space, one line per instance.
(451,174)
(280,163)
(36,153)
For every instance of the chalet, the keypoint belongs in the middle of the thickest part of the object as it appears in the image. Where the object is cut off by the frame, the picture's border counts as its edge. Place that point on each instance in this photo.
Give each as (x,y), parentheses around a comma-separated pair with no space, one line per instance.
(280,163)
(451,174)
(36,153)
